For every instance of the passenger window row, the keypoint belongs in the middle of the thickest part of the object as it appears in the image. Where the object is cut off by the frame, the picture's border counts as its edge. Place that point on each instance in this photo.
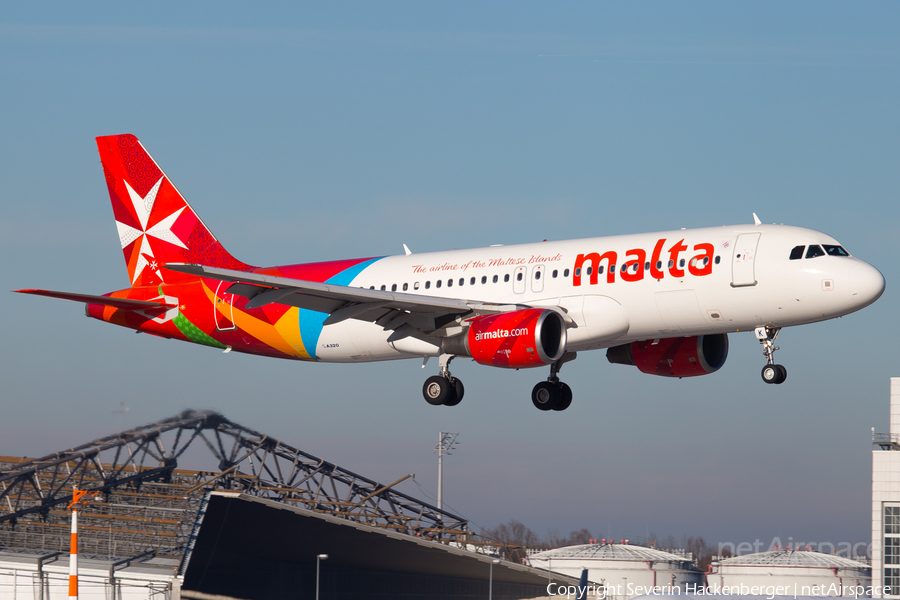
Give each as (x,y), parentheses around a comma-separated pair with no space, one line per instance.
(634,266)
(814,251)
(472,280)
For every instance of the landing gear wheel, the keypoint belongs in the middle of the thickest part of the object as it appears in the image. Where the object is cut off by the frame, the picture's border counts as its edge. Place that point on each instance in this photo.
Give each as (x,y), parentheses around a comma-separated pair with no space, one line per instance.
(782,374)
(545,395)
(565,397)
(774,374)
(458,392)
(437,390)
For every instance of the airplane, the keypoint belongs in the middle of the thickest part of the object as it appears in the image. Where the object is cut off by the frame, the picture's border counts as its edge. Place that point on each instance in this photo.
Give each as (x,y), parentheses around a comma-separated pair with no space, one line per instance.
(662,302)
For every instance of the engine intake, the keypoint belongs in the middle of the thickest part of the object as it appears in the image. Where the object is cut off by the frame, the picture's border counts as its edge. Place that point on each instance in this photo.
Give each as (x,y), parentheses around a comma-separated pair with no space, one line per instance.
(674,357)
(532,337)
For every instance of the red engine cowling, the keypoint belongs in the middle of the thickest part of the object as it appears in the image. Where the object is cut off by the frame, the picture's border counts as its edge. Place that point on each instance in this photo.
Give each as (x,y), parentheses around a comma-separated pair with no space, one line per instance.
(532,337)
(674,357)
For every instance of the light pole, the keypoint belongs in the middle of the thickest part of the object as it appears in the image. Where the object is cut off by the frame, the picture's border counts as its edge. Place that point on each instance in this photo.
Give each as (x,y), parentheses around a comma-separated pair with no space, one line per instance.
(496,561)
(319,559)
(445,445)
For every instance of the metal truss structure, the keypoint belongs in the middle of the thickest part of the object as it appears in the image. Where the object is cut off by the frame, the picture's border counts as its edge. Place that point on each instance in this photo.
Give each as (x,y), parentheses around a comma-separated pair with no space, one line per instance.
(146,503)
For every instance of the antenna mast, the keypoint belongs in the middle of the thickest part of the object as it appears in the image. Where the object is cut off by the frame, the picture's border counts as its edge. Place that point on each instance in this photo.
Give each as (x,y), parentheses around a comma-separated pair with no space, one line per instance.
(445,445)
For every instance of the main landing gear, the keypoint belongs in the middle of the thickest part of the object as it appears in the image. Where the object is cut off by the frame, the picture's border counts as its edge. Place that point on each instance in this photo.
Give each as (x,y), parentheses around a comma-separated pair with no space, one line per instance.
(771,373)
(444,388)
(553,394)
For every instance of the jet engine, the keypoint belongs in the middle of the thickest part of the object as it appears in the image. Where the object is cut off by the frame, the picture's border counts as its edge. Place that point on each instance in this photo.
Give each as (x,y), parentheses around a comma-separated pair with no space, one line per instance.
(674,357)
(532,337)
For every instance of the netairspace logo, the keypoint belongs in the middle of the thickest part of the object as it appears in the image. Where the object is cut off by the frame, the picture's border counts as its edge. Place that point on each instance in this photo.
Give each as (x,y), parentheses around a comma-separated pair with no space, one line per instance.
(845,549)
(769,591)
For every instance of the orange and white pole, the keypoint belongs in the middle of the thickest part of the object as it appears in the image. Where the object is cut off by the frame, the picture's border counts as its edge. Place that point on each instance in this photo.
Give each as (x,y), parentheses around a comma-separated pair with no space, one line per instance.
(78,497)
(73,554)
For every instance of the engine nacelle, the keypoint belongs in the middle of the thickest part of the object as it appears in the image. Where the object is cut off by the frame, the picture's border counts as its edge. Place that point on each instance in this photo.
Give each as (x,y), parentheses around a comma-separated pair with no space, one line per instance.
(532,337)
(674,357)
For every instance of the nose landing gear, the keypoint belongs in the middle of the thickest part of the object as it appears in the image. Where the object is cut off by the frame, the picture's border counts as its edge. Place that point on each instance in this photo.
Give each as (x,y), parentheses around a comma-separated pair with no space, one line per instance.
(553,394)
(771,373)
(444,388)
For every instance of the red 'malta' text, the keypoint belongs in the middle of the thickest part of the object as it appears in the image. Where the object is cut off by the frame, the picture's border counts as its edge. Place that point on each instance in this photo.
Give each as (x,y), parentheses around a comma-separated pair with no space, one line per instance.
(633,268)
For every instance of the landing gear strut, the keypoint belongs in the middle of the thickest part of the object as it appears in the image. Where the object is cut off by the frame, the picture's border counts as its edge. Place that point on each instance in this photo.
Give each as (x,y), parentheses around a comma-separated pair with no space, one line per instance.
(444,388)
(553,394)
(771,373)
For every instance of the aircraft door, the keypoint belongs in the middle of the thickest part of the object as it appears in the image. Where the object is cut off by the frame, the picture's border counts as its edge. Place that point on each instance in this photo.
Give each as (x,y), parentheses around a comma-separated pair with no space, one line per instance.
(223,310)
(742,271)
(519,280)
(537,279)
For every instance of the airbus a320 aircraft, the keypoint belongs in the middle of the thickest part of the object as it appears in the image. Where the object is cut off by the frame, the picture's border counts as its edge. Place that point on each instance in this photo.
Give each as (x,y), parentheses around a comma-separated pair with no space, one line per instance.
(662,302)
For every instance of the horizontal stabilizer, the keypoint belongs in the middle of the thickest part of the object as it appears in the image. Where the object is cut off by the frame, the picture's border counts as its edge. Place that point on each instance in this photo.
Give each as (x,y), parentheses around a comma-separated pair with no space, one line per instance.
(103,300)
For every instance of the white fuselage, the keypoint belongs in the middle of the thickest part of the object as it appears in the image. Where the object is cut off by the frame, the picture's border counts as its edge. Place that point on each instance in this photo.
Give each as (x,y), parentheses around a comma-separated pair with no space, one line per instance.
(676,283)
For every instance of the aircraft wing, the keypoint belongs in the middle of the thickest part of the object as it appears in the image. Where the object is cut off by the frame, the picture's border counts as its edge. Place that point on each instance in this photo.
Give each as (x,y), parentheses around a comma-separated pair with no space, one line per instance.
(144,305)
(406,314)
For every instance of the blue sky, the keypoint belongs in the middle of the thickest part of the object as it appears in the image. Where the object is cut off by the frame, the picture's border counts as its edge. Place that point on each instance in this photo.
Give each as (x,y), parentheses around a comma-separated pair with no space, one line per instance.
(311,131)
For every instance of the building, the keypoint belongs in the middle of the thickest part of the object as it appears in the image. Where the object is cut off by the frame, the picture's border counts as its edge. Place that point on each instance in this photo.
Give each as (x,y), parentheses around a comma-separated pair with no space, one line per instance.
(886,502)
(46,575)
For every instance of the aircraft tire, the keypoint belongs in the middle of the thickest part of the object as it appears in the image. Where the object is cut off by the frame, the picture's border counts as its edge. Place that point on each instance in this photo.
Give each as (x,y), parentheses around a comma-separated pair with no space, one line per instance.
(565,397)
(770,373)
(437,390)
(458,393)
(782,374)
(545,395)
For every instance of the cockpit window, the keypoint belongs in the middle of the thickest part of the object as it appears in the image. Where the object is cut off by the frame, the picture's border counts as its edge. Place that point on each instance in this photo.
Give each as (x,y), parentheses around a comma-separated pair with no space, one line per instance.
(835,250)
(814,251)
(797,252)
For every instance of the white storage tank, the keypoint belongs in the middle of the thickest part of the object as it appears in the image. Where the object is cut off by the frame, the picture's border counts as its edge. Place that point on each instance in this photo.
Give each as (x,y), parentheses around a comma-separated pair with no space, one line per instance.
(627,570)
(799,572)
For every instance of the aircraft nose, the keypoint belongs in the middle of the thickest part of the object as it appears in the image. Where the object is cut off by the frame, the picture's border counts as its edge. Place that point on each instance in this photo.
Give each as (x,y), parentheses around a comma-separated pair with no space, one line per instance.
(866,284)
